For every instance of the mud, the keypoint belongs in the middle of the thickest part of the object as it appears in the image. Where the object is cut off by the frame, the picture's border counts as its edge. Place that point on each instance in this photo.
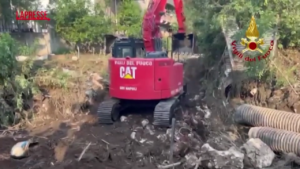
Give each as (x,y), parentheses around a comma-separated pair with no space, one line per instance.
(110,147)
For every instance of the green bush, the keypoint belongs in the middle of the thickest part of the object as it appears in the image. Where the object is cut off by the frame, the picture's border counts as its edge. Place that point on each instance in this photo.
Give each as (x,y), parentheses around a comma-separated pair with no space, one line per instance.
(15,84)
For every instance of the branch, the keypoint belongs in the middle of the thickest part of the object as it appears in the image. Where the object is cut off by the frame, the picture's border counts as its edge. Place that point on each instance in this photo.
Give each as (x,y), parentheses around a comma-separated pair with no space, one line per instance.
(217,4)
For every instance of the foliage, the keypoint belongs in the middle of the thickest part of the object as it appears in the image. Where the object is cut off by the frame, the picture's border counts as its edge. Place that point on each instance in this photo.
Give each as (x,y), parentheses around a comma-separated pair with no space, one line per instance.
(5,7)
(206,17)
(20,81)
(79,22)
(167,43)
(62,51)
(51,78)
(14,83)
(130,18)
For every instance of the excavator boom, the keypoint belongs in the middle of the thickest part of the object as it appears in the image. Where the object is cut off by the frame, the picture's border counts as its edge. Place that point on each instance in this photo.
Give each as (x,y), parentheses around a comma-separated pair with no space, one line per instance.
(151,22)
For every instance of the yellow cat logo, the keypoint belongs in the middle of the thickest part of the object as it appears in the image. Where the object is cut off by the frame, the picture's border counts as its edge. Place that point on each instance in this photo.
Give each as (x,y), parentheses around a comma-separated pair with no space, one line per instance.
(127,72)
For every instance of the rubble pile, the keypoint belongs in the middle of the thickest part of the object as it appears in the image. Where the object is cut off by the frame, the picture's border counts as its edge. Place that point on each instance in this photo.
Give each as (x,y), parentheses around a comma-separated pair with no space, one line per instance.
(286,98)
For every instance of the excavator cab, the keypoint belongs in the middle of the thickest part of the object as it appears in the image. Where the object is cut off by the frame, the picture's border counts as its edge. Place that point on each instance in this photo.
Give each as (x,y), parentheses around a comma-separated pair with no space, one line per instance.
(128,47)
(133,48)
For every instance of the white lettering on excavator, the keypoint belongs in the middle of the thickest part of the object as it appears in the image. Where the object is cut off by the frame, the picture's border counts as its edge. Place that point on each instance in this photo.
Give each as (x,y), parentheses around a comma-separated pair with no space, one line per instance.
(144,63)
(127,72)
(132,63)
(119,62)
(128,88)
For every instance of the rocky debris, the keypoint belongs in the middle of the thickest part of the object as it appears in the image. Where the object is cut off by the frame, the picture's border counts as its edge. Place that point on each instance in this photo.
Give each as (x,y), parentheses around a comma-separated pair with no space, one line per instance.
(123,119)
(21,58)
(191,160)
(150,130)
(291,158)
(75,58)
(96,80)
(264,95)
(253,91)
(216,159)
(24,58)
(145,122)
(257,153)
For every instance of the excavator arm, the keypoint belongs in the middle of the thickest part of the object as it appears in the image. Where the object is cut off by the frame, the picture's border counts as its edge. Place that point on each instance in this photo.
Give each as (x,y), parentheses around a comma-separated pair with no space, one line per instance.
(151,24)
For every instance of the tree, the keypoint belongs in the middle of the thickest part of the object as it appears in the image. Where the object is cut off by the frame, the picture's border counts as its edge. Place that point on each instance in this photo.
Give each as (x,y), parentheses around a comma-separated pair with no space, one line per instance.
(8,8)
(130,18)
(207,17)
(79,22)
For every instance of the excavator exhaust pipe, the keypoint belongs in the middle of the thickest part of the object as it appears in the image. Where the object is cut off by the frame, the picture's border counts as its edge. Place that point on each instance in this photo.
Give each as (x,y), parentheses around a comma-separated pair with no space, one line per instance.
(183,46)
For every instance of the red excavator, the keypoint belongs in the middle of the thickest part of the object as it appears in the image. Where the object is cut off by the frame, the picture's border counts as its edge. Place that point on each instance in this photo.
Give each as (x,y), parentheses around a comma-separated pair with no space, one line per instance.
(141,74)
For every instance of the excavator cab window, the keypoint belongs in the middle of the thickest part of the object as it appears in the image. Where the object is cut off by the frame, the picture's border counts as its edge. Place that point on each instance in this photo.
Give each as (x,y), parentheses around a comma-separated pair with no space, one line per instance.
(134,48)
(128,47)
(124,52)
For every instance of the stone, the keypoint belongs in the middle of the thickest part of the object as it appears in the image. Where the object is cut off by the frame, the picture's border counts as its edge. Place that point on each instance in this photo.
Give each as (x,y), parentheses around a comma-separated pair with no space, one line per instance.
(257,153)
(145,122)
(123,119)
(253,91)
(215,159)
(75,58)
(191,160)
(21,58)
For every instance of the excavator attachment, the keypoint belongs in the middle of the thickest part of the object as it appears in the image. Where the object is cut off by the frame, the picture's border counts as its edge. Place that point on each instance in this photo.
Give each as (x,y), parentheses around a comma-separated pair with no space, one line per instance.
(183,46)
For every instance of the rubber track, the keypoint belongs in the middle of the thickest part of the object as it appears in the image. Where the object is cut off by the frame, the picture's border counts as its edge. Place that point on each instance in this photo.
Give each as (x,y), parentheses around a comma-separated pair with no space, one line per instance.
(104,111)
(162,112)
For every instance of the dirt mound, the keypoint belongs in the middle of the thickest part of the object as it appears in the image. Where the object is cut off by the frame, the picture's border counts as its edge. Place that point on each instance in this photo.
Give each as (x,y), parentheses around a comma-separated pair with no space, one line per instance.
(286,98)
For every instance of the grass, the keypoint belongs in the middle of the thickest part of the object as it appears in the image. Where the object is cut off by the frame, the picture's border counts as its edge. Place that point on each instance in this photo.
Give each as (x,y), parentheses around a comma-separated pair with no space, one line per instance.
(65,81)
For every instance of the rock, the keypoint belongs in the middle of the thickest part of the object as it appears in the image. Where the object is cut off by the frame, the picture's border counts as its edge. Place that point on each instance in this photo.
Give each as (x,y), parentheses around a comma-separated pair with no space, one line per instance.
(196,97)
(253,91)
(75,58)
(162,137)
(45,57)
(292,98)
(150,130)
(123,119)
(262,95)
(215,159)
(291,158)
(191,160)
(180,149)
(21,58)
(257,153)
(278,93)
(145,122)
(176,135)
(135,136)
(96,80)
(296,107)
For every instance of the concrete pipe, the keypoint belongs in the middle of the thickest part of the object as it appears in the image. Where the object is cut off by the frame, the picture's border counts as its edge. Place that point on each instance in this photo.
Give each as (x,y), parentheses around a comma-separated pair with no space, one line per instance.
(264,117)
(278,140)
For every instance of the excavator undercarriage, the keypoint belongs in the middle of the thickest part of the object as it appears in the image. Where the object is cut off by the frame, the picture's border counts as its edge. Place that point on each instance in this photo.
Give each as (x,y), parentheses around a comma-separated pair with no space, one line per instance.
(110,110)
